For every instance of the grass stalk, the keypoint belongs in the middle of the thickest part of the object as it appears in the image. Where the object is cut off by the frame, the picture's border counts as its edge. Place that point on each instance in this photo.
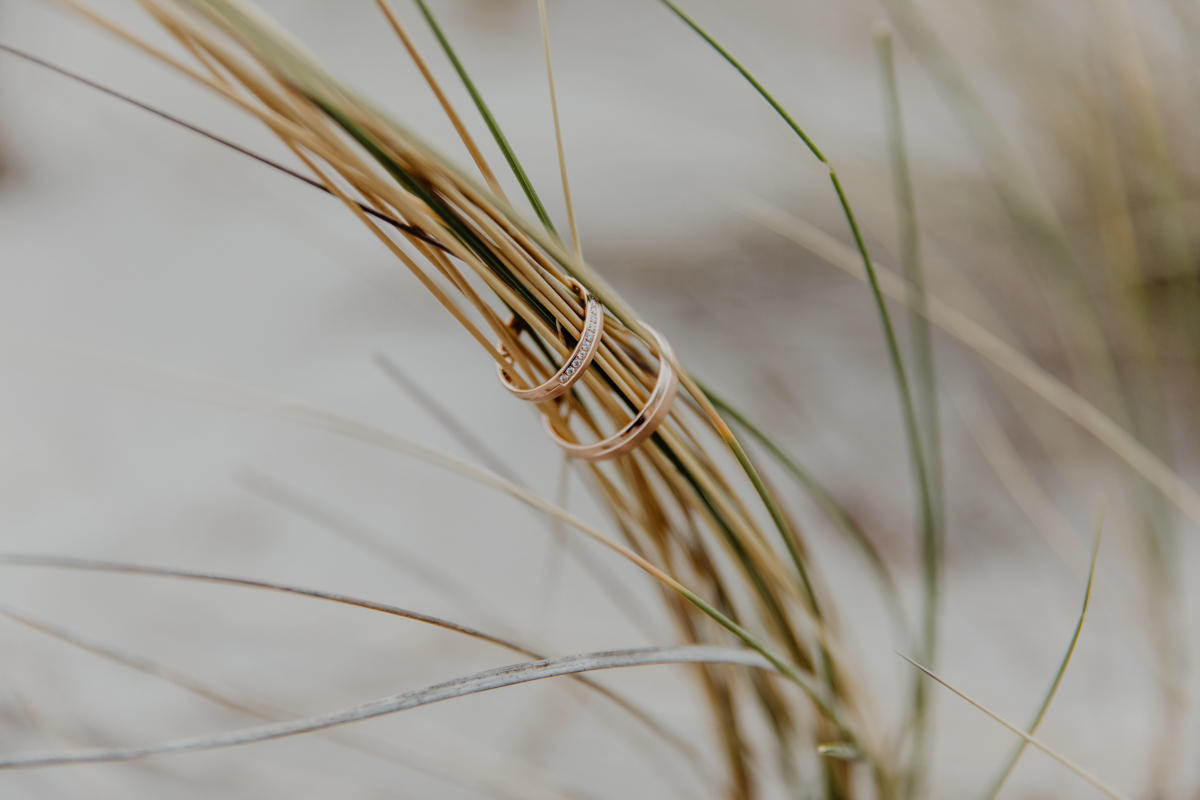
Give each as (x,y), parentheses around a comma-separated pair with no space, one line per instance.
(558,137)
(1002,775)
(930,528)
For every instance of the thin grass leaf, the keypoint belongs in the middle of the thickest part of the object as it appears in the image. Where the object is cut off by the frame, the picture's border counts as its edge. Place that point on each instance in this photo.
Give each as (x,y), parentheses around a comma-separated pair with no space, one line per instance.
(32,59)
(95,565)
(1078,770)
(444,101)
(459,687)
(448,422)
(921,476)
(558,137)
(925,382)
(515,784)
(998,783)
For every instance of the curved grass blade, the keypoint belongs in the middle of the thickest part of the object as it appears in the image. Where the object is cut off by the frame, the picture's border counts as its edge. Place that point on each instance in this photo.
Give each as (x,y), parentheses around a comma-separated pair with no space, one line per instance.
(925,381)
(923,487)
(384,549)
(1071,765)
(463,134)
(994,789)
(907,405)
(516,783)
(558,137)
(66,73)
(96,565)
(459,687)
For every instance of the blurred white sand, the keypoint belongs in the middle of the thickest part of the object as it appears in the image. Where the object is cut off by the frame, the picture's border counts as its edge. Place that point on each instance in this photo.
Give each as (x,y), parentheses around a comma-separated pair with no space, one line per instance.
(123,235)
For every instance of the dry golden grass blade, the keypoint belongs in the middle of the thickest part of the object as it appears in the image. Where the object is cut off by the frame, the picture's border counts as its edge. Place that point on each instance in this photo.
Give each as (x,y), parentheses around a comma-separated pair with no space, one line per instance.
(558,137)
(998,352)
(444,101)
(1071,765)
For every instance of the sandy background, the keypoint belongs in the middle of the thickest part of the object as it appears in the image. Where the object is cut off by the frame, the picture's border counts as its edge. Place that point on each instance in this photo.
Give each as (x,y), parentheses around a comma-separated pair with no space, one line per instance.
(122,235)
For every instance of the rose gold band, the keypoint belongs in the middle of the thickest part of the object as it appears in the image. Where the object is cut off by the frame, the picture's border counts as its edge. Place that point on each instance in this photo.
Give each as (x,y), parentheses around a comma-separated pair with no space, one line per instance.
(572,369)
(658,405)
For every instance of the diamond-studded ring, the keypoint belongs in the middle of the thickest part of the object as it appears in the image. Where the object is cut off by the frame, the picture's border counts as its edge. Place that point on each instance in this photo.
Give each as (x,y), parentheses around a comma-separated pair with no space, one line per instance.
(643,424)
(572,369)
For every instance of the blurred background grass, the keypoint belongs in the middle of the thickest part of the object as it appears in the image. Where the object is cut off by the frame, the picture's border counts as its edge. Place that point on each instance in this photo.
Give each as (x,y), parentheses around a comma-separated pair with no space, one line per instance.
(1051,152)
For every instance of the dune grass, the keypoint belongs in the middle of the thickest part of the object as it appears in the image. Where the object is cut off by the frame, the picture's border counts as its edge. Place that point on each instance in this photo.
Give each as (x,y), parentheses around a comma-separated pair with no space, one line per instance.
(692,508)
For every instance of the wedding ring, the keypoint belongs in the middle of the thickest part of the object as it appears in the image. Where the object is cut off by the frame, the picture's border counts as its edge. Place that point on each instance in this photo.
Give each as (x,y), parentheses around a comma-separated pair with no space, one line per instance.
(572,369)
(658,405)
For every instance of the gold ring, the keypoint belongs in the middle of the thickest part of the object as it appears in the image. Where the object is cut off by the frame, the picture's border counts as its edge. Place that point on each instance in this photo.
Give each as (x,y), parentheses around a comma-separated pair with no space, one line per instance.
(641,426)
(572,369)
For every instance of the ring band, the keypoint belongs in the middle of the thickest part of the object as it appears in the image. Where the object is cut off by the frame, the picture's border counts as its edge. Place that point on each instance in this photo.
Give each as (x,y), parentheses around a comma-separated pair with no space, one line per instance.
(658,405)
(572,369)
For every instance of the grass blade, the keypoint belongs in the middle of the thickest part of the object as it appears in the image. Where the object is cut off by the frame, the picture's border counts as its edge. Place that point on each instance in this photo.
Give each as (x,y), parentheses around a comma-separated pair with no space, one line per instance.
(558,137)
(459,687)
(925,383)
(459,594)
(994,789)
(94,565)
(461,129)
(907,406)
(1078,770)
(66,73)
(516,783)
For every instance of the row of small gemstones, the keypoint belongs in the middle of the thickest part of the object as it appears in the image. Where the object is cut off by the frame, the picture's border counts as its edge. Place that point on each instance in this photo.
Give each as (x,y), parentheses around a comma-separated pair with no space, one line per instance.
(589,336)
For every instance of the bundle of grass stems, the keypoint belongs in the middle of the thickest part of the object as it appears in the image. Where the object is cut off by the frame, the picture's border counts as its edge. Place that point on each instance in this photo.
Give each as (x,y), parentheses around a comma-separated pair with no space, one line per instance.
(690,505)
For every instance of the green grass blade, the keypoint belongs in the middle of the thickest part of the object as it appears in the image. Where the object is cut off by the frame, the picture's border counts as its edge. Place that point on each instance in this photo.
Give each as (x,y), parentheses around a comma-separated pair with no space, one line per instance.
(925,385)
(908,410)
(908,407)
(501,141)
(994,789)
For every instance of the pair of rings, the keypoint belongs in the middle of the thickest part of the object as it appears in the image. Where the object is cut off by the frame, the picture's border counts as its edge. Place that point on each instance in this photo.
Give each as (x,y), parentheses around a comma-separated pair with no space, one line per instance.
(644,423)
